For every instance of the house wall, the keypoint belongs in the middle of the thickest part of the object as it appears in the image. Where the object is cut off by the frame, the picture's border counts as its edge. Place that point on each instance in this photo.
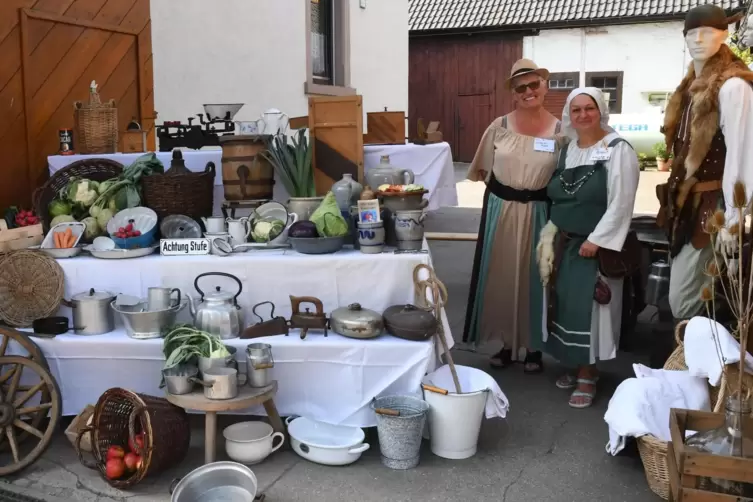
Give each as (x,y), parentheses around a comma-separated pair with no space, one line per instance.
(652,56)
(254,52)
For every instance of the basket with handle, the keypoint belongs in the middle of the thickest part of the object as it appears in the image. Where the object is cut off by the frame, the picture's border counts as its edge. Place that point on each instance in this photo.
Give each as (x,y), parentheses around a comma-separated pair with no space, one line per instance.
(653,451)
(92,169)
(118,416)
(95,124)
(179,190)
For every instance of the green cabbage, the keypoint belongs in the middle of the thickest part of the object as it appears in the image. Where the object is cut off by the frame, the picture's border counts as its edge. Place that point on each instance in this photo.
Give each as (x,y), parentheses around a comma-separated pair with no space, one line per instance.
(92,228)
(267,229)
(63,218)
(328,219)
(103,216)
(59,207)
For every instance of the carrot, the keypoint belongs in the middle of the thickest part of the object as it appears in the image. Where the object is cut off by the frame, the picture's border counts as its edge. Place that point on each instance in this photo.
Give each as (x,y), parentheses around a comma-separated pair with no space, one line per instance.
(57,236)
(71,241)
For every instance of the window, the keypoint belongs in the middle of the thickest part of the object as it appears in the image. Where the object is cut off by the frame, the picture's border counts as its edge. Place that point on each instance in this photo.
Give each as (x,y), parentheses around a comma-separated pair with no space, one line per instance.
(610,83)
(564,81)
(328,53)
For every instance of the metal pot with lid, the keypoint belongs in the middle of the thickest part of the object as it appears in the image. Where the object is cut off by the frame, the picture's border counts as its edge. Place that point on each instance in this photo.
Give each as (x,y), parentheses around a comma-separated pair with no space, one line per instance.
(410,322)
(354,321)
(91,312)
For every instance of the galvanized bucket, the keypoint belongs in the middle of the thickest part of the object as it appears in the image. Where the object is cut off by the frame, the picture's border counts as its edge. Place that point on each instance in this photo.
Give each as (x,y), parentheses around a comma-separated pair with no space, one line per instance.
(400,424)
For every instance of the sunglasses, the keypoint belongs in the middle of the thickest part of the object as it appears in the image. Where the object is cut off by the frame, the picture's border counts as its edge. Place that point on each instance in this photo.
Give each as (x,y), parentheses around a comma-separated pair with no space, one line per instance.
(520,89)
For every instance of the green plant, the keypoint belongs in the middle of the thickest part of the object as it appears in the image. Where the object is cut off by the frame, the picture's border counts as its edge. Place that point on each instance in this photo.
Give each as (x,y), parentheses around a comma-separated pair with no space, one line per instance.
(642,161)
(292,163)
(660,149)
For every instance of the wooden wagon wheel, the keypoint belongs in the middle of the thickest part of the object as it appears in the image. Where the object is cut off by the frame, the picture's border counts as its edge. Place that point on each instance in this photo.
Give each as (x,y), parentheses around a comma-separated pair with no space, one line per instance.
(13,407)
(35,419)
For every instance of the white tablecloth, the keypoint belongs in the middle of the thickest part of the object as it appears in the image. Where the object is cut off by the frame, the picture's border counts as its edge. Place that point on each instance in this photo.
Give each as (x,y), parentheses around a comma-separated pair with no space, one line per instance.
(333,383)
(431,164)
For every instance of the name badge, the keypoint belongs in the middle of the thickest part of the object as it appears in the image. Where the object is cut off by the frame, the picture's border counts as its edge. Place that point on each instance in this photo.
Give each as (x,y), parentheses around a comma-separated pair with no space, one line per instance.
(543,145)
(601,154)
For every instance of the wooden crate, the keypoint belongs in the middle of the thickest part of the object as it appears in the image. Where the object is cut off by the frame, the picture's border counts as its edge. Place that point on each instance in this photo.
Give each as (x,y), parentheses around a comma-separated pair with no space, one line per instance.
(687,467)
(133,141)
(385,128)
(336,133)
(21,238)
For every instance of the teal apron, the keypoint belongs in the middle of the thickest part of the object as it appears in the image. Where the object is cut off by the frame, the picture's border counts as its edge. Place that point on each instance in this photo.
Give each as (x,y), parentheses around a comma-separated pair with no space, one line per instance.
(579,201)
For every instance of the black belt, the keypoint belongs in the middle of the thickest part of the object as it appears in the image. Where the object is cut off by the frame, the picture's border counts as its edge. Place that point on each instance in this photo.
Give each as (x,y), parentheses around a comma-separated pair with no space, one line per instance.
(505,192)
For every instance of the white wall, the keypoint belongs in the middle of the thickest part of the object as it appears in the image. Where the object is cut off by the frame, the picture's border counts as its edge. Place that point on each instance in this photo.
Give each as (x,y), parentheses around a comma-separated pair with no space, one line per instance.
(652,56)
(254,52)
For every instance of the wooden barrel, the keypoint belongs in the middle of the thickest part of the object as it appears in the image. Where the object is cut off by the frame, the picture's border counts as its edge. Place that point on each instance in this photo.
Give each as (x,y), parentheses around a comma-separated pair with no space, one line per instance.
(246,174)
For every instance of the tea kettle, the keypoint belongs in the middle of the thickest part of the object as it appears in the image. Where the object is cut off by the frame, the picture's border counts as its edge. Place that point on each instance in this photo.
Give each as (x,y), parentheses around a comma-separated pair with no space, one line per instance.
(217,312)
(273,121)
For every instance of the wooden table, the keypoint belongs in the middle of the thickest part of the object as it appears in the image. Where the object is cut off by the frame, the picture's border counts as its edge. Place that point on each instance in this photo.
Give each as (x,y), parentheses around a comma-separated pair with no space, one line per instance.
(247,397)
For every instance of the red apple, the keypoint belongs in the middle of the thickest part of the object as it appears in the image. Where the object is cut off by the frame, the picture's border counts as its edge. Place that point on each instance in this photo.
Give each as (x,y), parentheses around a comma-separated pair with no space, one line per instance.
(132,461)
(137,440)
(114,468)
(115,452)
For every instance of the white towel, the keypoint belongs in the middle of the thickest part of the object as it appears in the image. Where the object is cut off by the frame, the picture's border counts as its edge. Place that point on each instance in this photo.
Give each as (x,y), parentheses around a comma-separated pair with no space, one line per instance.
(641,405)
(704,356)
(472,380)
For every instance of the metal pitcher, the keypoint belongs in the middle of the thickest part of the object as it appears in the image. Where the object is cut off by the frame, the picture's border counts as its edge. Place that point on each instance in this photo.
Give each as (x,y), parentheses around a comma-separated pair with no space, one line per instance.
(259,361)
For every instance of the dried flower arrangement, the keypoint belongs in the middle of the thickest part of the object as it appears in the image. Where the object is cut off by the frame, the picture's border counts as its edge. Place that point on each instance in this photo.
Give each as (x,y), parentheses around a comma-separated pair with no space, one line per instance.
(725,272)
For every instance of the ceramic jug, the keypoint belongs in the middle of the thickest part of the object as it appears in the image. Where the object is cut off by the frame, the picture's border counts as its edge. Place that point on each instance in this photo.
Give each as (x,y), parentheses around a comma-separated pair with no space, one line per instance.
(239,230)
(346,191)
(387,174)
(409,229)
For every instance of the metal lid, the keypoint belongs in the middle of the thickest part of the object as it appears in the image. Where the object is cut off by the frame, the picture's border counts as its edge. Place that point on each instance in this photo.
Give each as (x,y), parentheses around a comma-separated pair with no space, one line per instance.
(355,313)
(94,295)
(219,295)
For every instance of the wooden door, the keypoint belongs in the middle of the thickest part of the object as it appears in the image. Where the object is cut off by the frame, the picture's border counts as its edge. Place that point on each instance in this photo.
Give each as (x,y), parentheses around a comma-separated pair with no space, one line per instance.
(473,116)
(50,50)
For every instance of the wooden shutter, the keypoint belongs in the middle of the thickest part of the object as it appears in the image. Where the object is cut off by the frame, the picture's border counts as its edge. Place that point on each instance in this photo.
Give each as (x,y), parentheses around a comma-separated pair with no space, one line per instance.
(555,101)
(336,129)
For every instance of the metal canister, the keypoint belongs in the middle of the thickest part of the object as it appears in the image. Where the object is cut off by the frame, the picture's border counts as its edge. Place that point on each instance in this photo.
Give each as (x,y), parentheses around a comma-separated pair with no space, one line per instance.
(259,361)
(66,141)
(657,285)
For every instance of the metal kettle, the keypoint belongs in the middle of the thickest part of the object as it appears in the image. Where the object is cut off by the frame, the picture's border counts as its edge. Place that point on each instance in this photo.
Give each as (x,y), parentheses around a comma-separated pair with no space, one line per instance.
(217,312)
(657,285)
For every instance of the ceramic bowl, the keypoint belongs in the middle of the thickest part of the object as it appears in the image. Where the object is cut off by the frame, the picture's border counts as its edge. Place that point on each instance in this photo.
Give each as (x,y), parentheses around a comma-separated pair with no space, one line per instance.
(251,442)
(317,245)
(143,219)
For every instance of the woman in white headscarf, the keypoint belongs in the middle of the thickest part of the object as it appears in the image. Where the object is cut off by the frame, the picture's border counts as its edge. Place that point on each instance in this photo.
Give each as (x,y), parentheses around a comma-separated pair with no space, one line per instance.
(593,194)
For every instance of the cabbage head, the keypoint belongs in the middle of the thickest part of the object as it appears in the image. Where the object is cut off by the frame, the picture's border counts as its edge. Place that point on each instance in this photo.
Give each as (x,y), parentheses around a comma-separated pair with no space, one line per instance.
(328,219)
(267,229)
(59,207)
(92,228)
(103,217)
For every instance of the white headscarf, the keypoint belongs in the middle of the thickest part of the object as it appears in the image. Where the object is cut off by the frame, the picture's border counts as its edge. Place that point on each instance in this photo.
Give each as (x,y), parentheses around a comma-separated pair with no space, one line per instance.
(567,124)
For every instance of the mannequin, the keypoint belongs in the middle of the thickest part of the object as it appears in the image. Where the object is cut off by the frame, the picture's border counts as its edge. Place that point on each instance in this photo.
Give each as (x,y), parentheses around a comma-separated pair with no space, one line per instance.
(708,126)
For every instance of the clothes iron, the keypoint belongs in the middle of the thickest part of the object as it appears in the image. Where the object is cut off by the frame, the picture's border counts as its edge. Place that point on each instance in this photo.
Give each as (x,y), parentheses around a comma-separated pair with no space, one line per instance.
(307,320)
(274,326)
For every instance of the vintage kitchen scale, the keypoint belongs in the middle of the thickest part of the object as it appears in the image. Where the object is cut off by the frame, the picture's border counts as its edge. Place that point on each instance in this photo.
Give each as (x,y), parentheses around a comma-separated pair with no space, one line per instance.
(218,122)
(303,320)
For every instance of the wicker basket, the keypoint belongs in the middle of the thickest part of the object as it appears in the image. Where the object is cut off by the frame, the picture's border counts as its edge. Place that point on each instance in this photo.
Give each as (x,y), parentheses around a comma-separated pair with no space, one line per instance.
(653,451)
(31,287)
(179,190)
(92,169)
(95,125)
(119,415)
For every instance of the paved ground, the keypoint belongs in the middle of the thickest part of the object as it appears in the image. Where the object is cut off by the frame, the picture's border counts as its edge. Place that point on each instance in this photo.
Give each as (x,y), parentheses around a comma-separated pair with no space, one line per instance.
(544,452)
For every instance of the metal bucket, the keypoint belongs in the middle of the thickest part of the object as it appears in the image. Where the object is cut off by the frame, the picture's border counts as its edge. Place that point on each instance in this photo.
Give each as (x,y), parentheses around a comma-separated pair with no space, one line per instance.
(259,361)
(400,435)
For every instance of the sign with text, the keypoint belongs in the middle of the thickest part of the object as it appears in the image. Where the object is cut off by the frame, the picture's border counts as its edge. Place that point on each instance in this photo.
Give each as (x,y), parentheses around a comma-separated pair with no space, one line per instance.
(184,247)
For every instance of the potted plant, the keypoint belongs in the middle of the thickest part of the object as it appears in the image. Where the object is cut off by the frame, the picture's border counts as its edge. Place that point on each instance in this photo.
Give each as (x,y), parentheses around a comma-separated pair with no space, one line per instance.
(663,158)
(292,163)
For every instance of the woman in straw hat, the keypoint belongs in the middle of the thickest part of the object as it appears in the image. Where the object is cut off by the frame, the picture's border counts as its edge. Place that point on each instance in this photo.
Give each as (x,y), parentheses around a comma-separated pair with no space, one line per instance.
(516,158)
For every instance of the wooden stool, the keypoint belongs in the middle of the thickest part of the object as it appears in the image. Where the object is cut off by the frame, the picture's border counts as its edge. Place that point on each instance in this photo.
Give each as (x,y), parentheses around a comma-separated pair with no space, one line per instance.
(247,397)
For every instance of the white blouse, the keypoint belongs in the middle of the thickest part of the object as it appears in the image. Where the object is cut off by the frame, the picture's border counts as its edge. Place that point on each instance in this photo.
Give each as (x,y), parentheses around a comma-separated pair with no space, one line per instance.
(623,174)
(736,121)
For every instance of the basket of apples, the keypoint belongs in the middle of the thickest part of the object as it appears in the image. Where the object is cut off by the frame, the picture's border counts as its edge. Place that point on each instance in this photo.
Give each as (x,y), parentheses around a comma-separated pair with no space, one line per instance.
(134,436)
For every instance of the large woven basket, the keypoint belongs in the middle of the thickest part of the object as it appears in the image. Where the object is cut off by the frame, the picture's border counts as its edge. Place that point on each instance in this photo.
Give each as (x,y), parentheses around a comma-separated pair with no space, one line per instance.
(95,125)
(653,451)
(119,415)
(179,190)
(31,287)
(92,169)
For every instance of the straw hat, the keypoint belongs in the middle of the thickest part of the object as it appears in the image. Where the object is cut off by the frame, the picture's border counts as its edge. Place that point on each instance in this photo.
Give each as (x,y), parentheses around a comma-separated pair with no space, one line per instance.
(525,67)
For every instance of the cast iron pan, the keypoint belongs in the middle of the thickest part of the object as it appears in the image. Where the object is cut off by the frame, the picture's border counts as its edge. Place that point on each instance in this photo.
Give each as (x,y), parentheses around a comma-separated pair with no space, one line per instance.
(52,326)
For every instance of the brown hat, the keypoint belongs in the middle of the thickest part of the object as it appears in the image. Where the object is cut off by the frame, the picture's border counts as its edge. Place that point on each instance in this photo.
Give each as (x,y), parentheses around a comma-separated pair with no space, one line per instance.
(710,16)
(525,67)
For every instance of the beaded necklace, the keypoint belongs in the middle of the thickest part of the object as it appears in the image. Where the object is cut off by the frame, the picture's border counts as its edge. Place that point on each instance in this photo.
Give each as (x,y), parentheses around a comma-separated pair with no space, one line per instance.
(572,187)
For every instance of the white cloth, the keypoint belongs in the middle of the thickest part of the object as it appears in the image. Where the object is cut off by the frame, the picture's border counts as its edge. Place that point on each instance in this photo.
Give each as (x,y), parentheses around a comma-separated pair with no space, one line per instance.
(472,380)
(641,405)
(708,344)
(622,184)
(736,122)
(196,160)
(567,124)
(331,379)
(431,164)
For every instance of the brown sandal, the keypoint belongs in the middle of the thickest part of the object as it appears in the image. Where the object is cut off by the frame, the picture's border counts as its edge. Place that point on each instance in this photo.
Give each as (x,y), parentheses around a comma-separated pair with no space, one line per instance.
(502,359)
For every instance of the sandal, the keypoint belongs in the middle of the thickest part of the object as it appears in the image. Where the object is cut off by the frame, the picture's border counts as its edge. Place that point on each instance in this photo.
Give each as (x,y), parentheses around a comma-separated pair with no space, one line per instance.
(533,363)
(502,359)
(566,382)
(587,396)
